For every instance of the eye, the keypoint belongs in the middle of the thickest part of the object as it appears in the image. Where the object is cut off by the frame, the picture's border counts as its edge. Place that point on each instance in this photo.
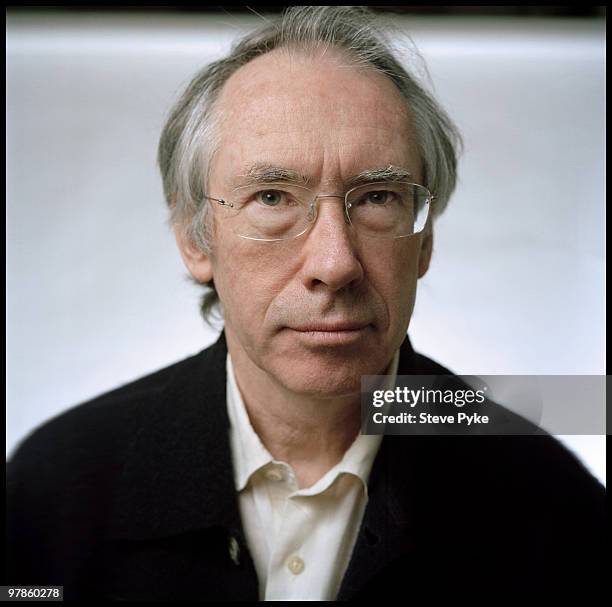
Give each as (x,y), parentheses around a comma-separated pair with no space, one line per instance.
(379,196)
(269,198)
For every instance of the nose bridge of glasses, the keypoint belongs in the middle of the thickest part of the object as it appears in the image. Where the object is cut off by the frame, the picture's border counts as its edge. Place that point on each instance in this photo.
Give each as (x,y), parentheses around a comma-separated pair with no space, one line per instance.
(312,212)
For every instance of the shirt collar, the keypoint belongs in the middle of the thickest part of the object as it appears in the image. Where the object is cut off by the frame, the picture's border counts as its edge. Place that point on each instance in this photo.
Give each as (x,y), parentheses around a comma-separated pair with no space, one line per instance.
(249,453)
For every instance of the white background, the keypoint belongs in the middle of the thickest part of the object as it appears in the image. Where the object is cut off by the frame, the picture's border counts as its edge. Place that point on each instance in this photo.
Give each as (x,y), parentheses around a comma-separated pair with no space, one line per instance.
(96,291)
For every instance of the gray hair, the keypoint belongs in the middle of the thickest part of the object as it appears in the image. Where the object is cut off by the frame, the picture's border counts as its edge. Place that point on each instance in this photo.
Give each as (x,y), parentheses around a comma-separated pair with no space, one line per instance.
(190,137)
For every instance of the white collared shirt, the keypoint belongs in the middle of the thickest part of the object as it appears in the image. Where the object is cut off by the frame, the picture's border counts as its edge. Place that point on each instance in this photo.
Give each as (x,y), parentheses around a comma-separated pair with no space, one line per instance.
(301,540)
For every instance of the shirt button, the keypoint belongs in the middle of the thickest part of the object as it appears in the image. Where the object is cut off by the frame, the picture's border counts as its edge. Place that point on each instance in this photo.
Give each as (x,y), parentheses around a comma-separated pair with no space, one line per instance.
(274,474)
(234,550)
(295,564)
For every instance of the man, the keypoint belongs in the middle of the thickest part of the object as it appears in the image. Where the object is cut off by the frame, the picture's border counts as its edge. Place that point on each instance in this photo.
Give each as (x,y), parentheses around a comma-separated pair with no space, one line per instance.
(304,172)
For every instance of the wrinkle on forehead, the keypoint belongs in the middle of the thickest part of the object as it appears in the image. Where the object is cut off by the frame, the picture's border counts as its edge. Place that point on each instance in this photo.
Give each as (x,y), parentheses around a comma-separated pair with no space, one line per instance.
(306,106)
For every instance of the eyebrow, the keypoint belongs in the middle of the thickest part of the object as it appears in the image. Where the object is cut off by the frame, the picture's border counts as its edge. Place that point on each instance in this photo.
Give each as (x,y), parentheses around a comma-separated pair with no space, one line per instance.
(265,173)
(388,173)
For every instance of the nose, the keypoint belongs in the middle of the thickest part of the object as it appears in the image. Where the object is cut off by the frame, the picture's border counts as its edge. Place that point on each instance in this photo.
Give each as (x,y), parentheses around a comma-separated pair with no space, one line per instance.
(332,258)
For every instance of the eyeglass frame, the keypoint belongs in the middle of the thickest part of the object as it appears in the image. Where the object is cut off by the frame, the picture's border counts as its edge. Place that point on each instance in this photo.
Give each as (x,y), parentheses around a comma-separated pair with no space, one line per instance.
(313,205)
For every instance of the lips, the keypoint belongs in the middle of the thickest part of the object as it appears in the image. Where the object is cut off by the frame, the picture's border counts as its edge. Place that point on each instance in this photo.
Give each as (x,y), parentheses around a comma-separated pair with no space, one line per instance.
(335,327)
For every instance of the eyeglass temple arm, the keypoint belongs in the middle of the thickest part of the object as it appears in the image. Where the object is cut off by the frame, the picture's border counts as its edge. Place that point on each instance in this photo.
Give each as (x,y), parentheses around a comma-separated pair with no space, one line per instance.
(220,201)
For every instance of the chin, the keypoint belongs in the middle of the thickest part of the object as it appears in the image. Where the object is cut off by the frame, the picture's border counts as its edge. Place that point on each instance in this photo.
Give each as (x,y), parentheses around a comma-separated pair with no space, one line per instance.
(320,380)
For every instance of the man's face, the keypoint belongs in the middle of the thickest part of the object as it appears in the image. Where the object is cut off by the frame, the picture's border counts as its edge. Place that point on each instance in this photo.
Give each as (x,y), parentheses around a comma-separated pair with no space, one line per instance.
(317,312)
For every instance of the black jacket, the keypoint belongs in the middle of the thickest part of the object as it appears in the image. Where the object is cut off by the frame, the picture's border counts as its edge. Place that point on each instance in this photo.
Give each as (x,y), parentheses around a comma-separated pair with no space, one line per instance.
(131,496)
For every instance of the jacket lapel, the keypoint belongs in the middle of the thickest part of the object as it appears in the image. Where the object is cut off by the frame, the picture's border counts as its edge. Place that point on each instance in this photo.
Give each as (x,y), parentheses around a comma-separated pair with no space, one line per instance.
(387,530)
(176,531)
(178,470)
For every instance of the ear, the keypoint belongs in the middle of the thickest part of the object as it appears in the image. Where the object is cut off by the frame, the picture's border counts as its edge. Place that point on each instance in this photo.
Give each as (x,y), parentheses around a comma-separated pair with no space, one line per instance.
(425,252)
(197,262)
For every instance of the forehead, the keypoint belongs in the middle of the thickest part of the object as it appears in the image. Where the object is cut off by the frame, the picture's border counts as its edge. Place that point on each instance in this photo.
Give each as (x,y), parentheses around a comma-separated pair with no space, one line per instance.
(315,113)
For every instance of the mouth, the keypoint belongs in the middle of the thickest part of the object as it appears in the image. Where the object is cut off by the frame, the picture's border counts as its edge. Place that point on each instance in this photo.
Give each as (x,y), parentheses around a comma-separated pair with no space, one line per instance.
(337,333)
(331,327)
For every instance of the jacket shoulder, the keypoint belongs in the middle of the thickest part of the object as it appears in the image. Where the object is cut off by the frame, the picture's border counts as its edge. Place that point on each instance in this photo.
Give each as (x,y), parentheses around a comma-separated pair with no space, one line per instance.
(63,478)
(103,422)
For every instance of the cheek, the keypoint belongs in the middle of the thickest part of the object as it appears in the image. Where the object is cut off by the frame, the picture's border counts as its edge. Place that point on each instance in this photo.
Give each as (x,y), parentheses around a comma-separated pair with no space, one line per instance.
(247,279)
(393,274)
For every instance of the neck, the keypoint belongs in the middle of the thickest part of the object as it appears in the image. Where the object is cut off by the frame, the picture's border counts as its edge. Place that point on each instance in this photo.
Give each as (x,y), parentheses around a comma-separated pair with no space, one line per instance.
(310,433)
